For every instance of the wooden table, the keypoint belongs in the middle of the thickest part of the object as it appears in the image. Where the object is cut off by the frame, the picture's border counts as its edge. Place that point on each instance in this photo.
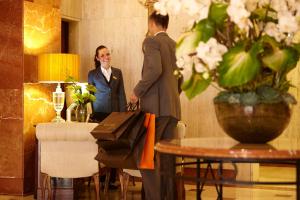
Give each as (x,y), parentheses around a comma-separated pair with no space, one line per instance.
(226,150)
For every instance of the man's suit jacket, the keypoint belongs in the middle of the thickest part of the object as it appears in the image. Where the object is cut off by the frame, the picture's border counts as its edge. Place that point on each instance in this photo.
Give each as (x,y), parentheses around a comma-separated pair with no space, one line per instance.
(158,88)
(110,96)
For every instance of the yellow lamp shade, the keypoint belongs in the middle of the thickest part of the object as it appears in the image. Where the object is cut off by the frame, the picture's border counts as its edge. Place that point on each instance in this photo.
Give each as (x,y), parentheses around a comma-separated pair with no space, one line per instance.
(58,67)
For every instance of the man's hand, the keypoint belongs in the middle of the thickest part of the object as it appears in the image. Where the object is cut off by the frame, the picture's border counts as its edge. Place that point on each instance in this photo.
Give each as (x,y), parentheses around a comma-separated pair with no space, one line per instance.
(134,99)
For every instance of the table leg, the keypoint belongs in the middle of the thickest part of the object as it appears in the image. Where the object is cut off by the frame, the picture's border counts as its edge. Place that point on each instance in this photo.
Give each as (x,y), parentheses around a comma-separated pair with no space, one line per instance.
(220,195)
(198,192)
(298,179)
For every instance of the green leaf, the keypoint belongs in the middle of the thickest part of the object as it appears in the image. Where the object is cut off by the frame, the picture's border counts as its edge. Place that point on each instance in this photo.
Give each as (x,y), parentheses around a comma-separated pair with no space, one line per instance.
(195,85)
(260,14)
(239,66)
(218,13)
(85,95)
(77,88)
(91,88)
(70,79)
(270,42)
(281,60)
(296,47)
(92,97)
(189,41)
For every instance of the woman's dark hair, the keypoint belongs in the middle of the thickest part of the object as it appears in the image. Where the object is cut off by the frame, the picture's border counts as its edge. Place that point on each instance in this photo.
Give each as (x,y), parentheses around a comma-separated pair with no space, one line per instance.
(97,62)
(160,20)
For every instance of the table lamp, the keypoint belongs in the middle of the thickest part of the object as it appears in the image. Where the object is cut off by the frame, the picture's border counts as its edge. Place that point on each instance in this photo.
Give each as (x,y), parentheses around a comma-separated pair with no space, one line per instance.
(56,68)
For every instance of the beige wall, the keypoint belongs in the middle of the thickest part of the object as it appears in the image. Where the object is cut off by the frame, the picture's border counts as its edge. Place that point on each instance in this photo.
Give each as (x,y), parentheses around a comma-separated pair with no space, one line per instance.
(71,9)
(121,25)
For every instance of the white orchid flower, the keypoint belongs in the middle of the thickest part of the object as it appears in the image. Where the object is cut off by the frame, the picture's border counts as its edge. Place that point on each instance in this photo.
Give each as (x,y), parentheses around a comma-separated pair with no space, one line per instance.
(211,52)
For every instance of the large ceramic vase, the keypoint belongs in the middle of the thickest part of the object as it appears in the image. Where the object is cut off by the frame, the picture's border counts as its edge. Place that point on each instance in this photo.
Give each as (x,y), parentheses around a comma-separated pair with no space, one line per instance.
(253,124)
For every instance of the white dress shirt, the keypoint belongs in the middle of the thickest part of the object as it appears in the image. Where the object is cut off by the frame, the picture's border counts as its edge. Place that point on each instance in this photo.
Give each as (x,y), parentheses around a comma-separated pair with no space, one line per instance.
(159,32)
(106,73)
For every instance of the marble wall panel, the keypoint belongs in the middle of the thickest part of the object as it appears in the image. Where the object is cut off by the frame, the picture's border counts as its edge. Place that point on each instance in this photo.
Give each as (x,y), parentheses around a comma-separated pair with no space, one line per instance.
(53,3)
(11,50)
(11,186)
(38,108)
(11,98)
(11,106)
(30,69)
(11,148)
(42,28)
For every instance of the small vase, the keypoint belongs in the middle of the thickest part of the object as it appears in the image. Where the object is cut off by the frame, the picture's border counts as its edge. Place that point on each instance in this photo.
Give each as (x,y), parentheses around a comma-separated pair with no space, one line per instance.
(81,113)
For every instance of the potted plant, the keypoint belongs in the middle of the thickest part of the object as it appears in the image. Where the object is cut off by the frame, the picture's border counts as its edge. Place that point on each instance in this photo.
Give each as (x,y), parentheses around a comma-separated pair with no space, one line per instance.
(244,48)
(81,97)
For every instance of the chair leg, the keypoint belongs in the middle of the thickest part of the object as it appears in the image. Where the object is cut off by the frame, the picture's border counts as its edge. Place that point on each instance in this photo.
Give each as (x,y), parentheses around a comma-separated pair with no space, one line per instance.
(97,186)
(106,184)
(48,181)
(120,174)
(43,184)
(133,180)
(89,181)
(124,180)
(180,183)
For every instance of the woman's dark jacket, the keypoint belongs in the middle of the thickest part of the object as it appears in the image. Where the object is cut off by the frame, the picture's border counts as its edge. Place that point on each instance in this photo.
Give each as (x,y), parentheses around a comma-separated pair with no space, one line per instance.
(110,95)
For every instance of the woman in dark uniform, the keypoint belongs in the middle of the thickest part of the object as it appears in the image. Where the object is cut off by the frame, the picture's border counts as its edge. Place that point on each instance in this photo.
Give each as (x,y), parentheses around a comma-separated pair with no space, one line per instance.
(110,94)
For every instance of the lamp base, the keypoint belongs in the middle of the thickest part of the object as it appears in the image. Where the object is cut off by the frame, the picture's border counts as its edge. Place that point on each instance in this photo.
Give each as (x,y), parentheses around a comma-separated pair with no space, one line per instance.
(58,103)
(58,119)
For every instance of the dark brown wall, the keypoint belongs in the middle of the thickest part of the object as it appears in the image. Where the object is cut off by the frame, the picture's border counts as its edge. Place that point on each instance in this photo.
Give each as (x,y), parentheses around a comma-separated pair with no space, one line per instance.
(11,97)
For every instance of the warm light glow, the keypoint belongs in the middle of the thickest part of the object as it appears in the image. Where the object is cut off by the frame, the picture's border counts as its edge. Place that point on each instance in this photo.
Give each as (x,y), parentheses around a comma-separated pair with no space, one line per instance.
(42,27)
(38,106)
(57,67)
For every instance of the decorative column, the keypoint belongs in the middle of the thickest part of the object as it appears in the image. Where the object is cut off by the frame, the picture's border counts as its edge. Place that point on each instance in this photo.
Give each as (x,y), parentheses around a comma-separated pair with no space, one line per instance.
(11,98)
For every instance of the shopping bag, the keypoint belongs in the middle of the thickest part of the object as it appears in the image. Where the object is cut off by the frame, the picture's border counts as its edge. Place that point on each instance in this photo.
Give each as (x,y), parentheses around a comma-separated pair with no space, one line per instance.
(113,126)
(147,157)
(120,152)
(131,135)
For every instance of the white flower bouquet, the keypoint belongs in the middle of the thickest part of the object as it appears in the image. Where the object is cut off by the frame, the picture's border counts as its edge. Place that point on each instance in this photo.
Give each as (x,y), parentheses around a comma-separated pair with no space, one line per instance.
(247,47)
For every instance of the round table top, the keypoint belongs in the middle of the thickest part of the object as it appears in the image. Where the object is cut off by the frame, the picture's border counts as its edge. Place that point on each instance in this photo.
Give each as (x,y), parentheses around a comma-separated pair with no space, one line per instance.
(287,149)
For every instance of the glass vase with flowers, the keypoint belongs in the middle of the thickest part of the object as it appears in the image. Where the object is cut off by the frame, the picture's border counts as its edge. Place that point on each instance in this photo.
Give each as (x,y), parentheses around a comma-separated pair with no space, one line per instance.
(82,95)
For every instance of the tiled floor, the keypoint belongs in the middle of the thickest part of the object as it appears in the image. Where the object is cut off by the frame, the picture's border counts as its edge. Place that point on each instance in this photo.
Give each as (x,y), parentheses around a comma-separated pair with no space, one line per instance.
(230,193)
(209,193)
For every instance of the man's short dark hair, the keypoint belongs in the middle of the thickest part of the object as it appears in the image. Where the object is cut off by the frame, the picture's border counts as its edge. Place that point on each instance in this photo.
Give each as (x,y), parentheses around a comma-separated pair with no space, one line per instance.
(160,20)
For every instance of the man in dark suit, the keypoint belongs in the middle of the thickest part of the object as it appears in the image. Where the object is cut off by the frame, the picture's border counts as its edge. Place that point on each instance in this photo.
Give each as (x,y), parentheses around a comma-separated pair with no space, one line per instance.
(158,94)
